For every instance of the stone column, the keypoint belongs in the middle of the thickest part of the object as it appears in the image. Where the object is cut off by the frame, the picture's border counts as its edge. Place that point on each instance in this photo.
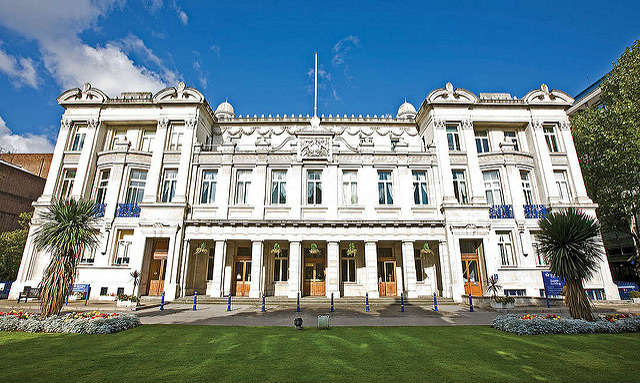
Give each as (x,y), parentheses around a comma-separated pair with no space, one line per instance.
(333,269)
(477,193)
(256,269)
(218,267)
(574,165)
(83,184)
(371,264)
(445,269)
(409,267)
(543,158)
(155,170)
(56,161)
(183,181)
(295,268)
(444,164)
(184,264)
(170,284)
(455,260)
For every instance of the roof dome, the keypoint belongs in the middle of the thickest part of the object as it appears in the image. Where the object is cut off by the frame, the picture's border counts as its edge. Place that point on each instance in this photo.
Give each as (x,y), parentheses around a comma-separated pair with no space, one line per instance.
(225,110)
(407,110)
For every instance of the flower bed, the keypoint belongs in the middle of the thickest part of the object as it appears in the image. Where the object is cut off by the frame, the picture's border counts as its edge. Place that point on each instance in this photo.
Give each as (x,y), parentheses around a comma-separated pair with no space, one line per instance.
(535,324)
(90,322)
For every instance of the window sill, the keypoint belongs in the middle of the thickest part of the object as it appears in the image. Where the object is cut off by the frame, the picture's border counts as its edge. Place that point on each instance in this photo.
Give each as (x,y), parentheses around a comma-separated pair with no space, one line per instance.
(387,208)
(315,208)
(241,208)
(354,208)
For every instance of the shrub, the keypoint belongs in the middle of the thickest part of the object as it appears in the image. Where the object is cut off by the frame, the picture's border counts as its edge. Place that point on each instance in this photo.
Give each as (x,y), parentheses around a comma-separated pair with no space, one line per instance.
(125,297)
(92,322)
(504,299)
(634,294)
(535,324)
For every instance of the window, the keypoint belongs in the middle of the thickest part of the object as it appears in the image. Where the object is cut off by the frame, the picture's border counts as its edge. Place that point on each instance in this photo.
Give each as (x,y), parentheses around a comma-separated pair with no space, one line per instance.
(78,140)
(536,252)
(525,179)
(104,291)
(543,294)
(210,265)
(420,188)
(87,257)
(175,139)
(169,180)
(243,183)
(482,141)
(101,189)
(453,137)
(123,243)
(506,249)
(459,186)
(562,184)
(314,187)
(146,144)
(66,184)
(279,187)
(385,187)
(492,188)
(137,182)
(350,187)
(281,266)
(348,266)
(208,193)
(515,292)
(420,262)
(120,141)
(120,291)
(596,294)
(511,137)
(552,140)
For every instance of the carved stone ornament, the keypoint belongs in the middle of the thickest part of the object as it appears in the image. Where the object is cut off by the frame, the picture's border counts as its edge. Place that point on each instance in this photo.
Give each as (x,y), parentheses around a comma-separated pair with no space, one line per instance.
(439,124)
(93,123)
(163,123)
(467,124)
(565,124)
(66,123)
(314,147)
(190,123)
(538,124)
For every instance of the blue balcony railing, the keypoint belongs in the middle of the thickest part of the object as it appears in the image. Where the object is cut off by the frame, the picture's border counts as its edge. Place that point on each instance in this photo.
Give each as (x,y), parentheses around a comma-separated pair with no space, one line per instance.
(128,210)
(535,211)
(501,211)
(98,210)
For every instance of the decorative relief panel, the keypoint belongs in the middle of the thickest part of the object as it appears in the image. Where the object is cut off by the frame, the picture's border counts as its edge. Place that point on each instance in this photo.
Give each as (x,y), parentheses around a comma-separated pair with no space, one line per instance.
(314,148)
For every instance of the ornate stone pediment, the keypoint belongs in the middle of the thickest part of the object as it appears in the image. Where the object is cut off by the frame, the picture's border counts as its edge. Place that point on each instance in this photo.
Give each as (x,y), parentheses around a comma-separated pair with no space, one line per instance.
(546,96)
(86,95)
(178,94)
(449,94)
(314,147)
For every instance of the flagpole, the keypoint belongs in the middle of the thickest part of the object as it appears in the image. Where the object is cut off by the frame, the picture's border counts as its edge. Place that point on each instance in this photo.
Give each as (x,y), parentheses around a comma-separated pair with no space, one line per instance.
(315,96)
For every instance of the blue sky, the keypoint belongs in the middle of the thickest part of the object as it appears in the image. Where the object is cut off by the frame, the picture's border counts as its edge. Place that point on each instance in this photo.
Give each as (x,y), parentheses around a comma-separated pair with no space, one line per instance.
(259,54)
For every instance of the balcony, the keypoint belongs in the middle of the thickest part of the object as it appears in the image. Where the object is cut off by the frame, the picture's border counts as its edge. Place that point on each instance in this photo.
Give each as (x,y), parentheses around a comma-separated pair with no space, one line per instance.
(501,212)
(98,210)
(128,210)
(535,211)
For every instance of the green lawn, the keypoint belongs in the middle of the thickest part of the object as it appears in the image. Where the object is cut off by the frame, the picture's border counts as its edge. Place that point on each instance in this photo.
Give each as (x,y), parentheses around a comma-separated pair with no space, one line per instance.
(171,353)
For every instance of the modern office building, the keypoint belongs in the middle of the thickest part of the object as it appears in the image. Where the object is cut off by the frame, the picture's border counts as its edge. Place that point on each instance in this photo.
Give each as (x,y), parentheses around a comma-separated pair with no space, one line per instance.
(434,200)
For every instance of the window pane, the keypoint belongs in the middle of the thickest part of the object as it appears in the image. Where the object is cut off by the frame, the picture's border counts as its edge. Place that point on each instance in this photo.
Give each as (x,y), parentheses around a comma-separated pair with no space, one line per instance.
(285,270)
(352,270)
(345,270)
(276,270)
(419,271)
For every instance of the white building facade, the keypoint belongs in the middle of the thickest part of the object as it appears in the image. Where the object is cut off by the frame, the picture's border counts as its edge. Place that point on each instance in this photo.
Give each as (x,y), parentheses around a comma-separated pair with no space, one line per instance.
(430,201)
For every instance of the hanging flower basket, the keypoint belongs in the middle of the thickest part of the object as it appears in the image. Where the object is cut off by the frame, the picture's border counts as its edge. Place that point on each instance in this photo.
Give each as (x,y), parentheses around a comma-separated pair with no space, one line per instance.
(352,251)
(426,251)
(314,251)
(276,249)
(202,250)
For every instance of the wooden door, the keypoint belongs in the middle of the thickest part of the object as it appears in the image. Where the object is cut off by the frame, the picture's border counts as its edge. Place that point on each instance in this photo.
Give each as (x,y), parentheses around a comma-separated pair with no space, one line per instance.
(387,286)
(156,277)
(314,280)
(242,277)
(471,274)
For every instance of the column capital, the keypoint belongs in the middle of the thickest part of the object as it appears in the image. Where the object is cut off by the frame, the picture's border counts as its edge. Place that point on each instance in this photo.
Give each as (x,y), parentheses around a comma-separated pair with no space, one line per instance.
(408,241)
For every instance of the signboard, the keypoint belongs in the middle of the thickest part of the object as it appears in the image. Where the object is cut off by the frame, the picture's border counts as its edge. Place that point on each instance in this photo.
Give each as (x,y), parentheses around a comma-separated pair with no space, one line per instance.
(552,284)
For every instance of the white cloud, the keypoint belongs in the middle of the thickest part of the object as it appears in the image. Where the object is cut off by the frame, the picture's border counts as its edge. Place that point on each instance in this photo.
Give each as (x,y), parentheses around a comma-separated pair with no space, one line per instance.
(20,70)
(29,143)
(182,16)
(216,49)
(342,49)
(324,82)
(56,28)
(152,5)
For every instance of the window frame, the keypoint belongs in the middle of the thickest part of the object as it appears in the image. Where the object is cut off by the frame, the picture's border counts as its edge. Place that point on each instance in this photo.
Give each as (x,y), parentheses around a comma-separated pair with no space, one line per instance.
(509,255)
(281,274)
(513,139)
(244,185)
(453,137)
(65,187)
(211,186)
(458,191)
(141,184)
(168,185)
(348,260)
(279,187)
(175,137)
(149,136)
(491,186)
(350,187)
(102,184)
(420,188)
(78,138)
(121,241)
(482,141)
(551,138)
(385,187)
(559,183)
(527,191)
(313,197)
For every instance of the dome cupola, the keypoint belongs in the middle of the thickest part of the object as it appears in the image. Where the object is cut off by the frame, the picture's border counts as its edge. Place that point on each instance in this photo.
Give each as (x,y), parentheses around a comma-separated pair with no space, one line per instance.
(407,111)
(224,110)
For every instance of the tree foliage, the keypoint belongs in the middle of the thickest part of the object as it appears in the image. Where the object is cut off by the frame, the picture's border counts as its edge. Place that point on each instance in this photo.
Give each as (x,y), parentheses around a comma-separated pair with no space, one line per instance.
(607,139)
(66,229)
(570,243)
(11,248)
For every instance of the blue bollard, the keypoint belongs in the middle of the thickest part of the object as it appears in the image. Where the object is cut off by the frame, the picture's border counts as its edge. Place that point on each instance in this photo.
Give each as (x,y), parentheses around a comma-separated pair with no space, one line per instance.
(470,303)
(229,303)
(366,301)
(195,300)
(162,302)
(263,302)
(435,302)
(298,303)
(402,303)
(331,302)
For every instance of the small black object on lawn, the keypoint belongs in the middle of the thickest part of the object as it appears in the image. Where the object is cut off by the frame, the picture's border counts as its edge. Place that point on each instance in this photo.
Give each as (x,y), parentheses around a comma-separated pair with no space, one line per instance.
(298,323)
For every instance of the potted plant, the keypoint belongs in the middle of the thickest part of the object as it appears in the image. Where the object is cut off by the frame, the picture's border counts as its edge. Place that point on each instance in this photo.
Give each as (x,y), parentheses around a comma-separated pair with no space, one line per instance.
(505,302)
(110,297)
(352,251)
(314,251)
(635,296)
(276,249)
(127,301)
(202,249)
(426,251)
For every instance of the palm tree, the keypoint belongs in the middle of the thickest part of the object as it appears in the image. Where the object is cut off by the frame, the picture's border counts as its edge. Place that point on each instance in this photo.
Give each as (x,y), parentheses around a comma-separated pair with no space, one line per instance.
(571,245)
(67,228)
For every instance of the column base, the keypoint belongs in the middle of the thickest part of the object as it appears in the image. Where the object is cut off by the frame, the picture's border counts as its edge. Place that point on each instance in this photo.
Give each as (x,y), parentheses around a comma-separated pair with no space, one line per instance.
(374,294)
(412,294)
(293,294)
(170,291)
(336,294)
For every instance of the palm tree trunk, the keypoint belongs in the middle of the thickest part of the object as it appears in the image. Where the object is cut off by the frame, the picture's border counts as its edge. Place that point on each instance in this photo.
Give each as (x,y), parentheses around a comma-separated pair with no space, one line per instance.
(56,283)
(577,300)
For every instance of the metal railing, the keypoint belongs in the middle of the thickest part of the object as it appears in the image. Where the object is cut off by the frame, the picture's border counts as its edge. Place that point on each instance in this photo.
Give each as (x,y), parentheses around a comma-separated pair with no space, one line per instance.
(98,210)
(128,210)
(535,211)
(501,211)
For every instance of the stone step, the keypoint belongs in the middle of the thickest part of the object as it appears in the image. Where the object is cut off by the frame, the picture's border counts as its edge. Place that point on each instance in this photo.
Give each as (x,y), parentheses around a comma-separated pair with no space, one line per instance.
(284,301)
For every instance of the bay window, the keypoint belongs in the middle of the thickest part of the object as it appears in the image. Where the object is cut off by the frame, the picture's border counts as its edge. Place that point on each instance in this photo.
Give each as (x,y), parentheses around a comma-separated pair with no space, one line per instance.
(492,187)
